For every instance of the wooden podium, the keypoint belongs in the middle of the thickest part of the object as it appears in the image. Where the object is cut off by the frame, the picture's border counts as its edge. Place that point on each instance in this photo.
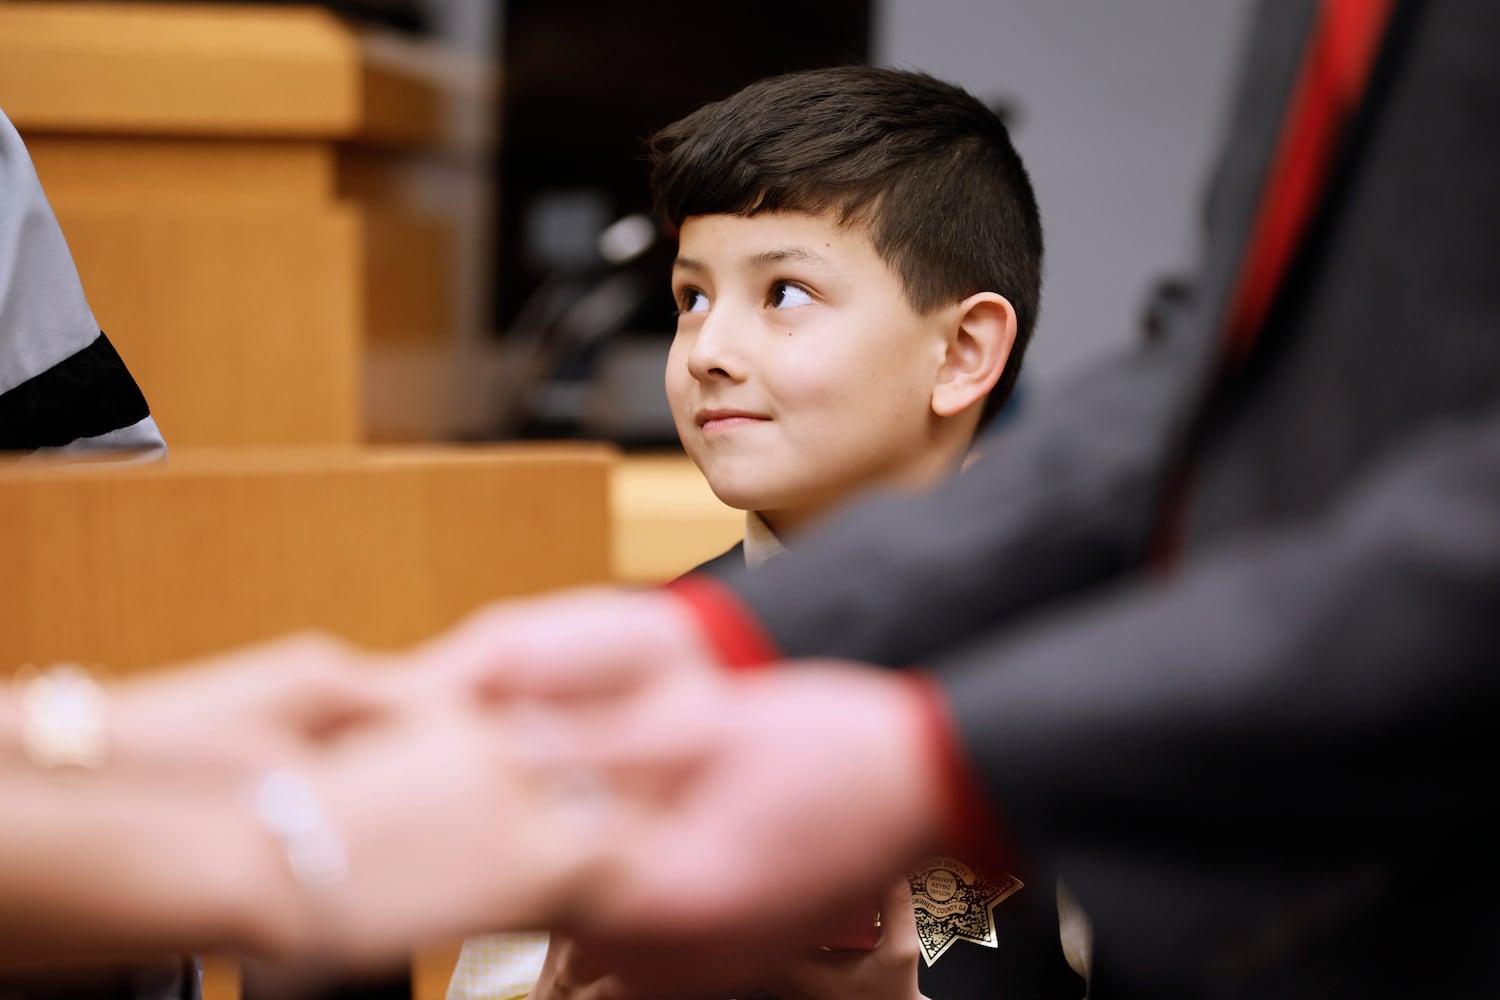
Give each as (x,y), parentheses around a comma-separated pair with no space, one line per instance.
(140,566)
(260,199)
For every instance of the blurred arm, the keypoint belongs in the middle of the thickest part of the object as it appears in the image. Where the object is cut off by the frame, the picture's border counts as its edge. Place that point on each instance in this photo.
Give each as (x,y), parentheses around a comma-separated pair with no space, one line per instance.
(1279,724)
(96,870)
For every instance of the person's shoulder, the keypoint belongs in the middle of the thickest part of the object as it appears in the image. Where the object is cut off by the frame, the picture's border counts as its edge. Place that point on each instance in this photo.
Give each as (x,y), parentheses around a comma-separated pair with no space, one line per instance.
(722,565)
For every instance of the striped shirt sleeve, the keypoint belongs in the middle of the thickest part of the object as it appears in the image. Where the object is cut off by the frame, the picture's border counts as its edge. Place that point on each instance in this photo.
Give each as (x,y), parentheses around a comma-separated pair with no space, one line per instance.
(62,384)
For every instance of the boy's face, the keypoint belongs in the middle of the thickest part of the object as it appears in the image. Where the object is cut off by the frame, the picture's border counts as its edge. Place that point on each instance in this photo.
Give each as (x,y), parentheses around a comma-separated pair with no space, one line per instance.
(799,374)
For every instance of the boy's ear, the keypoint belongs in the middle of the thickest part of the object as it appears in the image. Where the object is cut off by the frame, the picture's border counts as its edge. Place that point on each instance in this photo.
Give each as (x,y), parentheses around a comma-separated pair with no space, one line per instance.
(979,344)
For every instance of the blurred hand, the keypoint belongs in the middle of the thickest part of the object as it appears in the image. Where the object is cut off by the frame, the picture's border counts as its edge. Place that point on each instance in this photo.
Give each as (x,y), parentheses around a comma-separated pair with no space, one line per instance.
(448,834)
(887,972)
(580,645)
(248,710)
(776,802)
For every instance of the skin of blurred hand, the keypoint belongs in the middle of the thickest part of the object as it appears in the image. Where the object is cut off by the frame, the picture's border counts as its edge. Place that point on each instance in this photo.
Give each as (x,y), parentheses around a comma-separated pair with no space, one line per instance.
(255,708)
(579,645)
(691,827)
(447,830)
(768,806)
(448,833)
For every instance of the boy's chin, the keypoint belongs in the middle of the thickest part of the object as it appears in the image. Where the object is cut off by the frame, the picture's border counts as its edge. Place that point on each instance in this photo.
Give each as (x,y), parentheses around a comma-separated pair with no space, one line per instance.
(732,488)
(747,496)
(737,499)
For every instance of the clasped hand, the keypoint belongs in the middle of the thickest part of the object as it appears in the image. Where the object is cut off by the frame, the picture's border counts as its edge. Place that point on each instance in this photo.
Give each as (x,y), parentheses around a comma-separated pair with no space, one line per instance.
(578,763)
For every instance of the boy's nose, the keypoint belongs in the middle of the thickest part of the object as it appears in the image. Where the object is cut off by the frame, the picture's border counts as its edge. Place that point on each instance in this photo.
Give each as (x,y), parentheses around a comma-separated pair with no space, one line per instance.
(715,353)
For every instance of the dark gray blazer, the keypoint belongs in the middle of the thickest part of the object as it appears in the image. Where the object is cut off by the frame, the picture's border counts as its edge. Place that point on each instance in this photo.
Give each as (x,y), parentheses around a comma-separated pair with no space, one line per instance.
(1267,772)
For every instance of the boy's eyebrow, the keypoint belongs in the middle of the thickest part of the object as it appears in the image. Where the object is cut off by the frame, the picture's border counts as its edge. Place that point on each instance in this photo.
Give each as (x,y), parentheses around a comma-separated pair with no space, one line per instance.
(764,258)
(780,255)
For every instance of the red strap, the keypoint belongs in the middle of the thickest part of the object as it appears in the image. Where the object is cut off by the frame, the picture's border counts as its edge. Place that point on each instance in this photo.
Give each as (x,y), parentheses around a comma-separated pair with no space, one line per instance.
(730,629)
(1334,73)
(969,828)
(1332,79)
(742,644)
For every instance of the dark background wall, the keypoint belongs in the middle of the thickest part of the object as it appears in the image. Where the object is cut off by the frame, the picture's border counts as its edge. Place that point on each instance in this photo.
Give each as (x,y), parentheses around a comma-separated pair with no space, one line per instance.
(1117,108)
(584,82)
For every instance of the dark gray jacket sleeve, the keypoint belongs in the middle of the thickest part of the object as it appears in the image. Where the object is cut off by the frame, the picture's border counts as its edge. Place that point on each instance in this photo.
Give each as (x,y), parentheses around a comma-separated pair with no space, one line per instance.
(62,386)
(1064,500)
(1238,757)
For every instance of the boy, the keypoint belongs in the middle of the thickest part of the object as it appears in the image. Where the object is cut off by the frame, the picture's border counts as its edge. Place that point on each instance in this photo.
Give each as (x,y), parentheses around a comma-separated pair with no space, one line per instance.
(858,274)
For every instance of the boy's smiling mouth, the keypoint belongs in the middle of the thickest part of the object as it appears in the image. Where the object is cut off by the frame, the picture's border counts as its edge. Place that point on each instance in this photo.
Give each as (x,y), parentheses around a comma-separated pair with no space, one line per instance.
(723,420)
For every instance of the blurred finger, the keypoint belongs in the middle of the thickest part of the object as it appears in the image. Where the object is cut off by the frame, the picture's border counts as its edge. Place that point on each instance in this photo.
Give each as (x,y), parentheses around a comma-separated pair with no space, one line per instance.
(585,644)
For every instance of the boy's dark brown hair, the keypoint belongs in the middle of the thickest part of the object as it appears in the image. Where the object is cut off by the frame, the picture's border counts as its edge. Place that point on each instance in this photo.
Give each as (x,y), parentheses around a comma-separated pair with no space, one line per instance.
(926,166)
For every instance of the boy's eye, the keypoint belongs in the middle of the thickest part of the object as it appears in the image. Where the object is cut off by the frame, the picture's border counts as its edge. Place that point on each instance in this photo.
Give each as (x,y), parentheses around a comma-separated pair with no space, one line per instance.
(785,295)
(691,300)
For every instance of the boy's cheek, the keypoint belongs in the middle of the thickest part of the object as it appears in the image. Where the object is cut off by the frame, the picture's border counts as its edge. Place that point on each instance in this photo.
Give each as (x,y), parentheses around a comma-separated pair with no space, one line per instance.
(680,401)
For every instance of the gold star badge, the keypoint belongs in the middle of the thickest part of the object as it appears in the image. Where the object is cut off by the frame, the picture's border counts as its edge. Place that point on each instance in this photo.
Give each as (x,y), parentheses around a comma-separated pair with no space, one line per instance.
(953,902)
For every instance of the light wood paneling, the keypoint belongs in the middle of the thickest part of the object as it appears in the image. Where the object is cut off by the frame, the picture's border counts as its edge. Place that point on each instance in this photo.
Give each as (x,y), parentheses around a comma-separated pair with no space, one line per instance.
(204,174)
(241,327)
(666,519)
(221,978)
(255,327)
(408,279)
(203,69)
(431,970)
(142,566)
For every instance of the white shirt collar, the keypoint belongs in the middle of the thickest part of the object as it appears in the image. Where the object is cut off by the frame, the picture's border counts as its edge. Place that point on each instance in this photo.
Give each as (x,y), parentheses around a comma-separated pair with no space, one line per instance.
(761,542)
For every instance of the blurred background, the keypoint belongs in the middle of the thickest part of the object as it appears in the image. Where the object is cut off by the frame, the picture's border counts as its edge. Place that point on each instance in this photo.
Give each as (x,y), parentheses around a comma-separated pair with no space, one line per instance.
(541,107)
(1110,104)
(544,106)
(416,221)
